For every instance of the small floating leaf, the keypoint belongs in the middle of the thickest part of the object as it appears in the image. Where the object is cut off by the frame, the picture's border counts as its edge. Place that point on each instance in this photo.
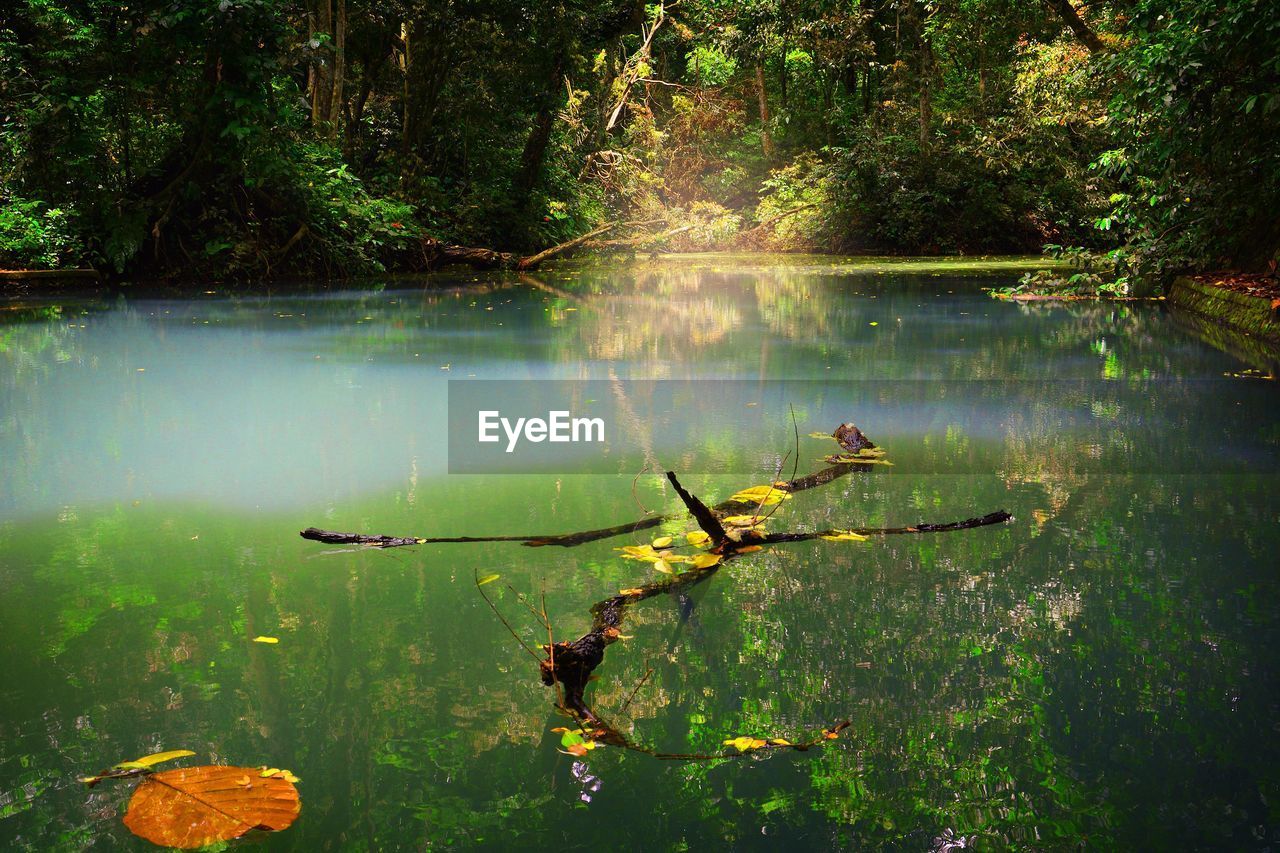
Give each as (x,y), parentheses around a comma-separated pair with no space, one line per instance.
(844,536)
(271,640)
(487,579)
(639,552)
(743,520)
(745,743)
(697,538)
(269,771)
(706,561)
(631,591)
(766,495)
(663,566)
(856,460)
(160,757)
(662,542)
(747,549)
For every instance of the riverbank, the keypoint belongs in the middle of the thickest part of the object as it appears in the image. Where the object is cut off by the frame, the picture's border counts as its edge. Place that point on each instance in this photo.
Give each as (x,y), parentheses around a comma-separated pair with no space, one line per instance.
(1234,312)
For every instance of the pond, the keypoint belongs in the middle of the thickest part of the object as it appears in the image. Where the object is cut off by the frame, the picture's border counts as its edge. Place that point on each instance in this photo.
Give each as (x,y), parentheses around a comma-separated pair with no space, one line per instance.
(1099,670)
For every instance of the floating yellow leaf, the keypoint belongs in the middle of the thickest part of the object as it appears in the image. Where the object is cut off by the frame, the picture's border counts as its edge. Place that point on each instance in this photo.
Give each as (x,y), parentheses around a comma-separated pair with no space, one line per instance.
(844,536)
(271,640)
(630,591)
(697,538)
(160,757)
(745,743)
(822,435)
(639,552)
(761,495)
(663,566)
(780,741)
(706,561)
(747,549)
(243,780)
(662,542)
(290,778)
(487,579)
(743,520)
(845,459)
(269,771)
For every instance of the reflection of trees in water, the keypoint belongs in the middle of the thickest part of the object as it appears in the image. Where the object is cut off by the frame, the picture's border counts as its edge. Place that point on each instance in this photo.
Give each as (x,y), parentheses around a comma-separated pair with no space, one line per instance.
(1083,674)
(998,682)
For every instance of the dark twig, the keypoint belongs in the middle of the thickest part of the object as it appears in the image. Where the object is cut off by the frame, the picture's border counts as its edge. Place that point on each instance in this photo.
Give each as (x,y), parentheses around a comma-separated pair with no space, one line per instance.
(501,618)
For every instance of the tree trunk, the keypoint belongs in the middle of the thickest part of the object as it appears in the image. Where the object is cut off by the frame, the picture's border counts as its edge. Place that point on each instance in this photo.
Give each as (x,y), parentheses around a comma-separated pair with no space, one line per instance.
(329,70)
(1073,20)
(766,140)
(535,145)
(426,69)
(322,68)
(339,67)
(926,92)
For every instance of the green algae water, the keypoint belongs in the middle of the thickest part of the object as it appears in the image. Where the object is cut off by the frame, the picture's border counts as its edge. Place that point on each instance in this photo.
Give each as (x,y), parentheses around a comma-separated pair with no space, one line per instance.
(1100,671)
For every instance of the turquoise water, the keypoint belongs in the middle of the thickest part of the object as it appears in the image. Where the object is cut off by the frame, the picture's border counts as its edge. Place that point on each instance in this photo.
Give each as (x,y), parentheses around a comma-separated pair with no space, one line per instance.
(1100,670)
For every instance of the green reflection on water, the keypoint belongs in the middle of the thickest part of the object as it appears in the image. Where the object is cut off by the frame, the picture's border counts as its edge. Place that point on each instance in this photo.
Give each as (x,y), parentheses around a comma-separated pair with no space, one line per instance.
(1099,670)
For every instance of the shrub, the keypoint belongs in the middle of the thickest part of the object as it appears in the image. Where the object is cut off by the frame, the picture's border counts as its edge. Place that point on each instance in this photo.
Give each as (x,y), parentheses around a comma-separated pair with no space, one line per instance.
(34,236)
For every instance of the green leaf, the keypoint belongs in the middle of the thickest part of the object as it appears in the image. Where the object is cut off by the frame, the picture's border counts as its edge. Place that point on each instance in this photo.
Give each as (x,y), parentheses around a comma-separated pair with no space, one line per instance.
(487,579)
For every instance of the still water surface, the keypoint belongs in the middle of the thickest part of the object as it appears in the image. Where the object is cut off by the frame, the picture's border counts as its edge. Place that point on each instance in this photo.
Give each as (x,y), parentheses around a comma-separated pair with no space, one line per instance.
(1100,671)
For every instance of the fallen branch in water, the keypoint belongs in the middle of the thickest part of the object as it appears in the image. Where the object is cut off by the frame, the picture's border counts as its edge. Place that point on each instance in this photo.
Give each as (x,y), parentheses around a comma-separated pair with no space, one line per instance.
(574,661)
(437,254)
(568,665)
(851,437)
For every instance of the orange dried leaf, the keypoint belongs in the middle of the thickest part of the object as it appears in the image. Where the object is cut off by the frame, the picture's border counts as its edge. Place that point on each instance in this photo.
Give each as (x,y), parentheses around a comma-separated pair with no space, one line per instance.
(196,806)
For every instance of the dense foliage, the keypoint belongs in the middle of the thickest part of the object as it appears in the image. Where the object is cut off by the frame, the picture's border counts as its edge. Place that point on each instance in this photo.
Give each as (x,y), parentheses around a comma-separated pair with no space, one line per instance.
(234,137)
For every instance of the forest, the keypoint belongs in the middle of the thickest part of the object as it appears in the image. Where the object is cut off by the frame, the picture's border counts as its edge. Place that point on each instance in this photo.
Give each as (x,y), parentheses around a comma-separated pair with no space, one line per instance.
(274,138)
